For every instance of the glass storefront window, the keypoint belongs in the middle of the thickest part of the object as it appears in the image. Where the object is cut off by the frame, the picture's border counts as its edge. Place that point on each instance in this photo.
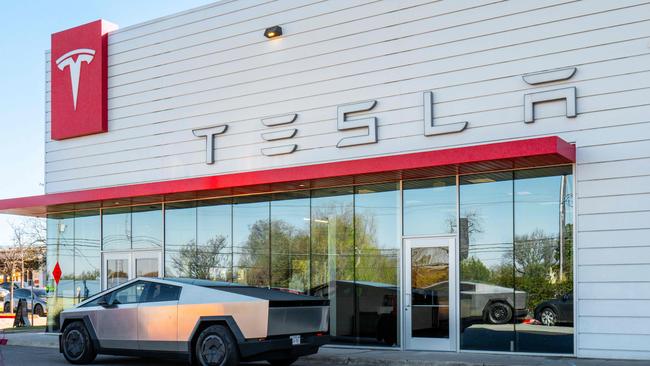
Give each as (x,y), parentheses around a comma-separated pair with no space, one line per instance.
(515,251)
(214,239)
(290,241)
(377,246)
(73,241)
(146,227)
(543,255)
(430,206)
(488,309)
(516,264)
(180,240)
(332,252)
(87,256)
(60,249)
(137,227)
(251,247)
(116,229)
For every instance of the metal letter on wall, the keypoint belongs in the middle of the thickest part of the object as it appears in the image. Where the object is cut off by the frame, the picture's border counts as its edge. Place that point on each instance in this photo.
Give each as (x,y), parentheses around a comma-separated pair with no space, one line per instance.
(343,124)
(209,133)
(279,135)
(429,128)
(547,76)
(530,99)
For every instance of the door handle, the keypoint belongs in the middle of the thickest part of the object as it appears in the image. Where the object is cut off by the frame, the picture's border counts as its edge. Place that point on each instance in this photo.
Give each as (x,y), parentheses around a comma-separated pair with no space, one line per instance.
(407,300)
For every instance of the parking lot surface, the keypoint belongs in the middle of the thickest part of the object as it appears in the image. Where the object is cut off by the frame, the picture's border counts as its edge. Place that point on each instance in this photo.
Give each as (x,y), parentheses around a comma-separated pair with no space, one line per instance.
(37,356)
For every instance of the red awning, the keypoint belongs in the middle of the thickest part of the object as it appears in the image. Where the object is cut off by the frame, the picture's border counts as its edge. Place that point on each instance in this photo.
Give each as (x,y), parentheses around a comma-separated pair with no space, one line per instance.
(518,154)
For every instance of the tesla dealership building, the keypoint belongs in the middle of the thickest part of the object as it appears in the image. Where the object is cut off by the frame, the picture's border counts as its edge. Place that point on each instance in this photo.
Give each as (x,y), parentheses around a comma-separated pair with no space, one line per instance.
(451,175)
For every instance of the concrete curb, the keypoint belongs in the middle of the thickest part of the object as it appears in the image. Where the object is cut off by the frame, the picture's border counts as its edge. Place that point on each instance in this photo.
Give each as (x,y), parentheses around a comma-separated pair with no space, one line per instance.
(45,340)
(369,361)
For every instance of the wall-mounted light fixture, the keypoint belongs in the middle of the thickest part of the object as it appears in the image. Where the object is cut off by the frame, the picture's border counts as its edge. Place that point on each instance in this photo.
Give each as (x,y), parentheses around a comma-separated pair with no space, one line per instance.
(273,32)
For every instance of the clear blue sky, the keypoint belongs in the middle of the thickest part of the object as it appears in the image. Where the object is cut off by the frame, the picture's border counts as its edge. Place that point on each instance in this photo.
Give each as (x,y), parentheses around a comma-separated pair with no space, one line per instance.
(24,36)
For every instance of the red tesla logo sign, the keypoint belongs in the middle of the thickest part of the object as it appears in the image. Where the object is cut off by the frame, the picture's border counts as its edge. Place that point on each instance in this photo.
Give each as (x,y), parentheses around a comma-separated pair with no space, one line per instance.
(56,273)
(79,80)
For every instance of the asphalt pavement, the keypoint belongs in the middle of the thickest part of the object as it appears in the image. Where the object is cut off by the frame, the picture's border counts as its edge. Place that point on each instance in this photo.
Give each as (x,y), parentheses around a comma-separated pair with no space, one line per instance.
(38,356)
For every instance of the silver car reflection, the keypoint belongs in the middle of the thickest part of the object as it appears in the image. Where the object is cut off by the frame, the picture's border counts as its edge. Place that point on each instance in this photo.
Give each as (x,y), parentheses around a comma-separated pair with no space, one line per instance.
(491,303)
(204,322)
(36,300)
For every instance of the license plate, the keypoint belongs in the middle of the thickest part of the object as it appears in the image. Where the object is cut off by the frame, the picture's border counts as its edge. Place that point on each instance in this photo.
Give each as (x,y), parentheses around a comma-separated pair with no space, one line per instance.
(295,340)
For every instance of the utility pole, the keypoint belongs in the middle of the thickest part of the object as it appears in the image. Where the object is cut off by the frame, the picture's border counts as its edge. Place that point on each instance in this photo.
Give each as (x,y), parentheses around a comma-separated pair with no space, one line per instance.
(563,183)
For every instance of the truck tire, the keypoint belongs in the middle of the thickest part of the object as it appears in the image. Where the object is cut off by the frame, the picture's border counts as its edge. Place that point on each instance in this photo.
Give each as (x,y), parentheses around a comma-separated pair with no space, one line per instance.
(76,344)
(216,347)
(499,313)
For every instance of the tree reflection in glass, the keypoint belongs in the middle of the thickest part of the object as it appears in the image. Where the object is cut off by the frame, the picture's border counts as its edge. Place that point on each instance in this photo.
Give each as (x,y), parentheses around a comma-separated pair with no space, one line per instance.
(194,261)
(543,256)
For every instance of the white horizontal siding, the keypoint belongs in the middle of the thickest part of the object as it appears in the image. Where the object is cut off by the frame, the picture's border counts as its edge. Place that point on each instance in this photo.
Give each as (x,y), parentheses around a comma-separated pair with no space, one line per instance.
(614,309)
(615,203)
(607,325)
(614,238)
(629,342)
(611,274)
(211,65)
(619,290)
(614,256)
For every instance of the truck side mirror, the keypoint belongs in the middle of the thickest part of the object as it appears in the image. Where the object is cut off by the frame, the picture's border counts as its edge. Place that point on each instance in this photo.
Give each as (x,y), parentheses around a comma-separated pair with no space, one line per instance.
(104,301)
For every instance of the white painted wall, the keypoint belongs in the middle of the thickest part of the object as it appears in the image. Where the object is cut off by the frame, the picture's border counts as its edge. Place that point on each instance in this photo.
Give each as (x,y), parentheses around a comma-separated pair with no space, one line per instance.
(212,65)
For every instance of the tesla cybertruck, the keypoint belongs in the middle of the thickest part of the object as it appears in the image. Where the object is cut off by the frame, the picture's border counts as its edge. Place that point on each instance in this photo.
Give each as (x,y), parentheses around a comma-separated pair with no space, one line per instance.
(207,323)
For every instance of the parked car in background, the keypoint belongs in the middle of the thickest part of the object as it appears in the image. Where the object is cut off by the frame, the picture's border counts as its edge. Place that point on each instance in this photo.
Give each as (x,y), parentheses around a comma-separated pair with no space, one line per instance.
(39,304)
(7,285)
(552,312)
(38,292)
(205,322)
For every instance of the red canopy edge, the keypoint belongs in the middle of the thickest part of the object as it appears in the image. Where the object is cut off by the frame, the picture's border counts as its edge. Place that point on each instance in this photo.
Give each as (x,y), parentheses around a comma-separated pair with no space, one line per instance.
(528,153)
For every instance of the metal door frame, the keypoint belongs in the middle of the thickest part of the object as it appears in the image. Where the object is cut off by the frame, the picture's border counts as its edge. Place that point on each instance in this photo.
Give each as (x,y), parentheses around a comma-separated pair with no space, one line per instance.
(429,344)
(131,257)
(135,255)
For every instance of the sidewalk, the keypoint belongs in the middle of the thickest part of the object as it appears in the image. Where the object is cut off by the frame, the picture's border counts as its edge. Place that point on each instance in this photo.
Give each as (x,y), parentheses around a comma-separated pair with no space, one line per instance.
(332,355)
(33,339)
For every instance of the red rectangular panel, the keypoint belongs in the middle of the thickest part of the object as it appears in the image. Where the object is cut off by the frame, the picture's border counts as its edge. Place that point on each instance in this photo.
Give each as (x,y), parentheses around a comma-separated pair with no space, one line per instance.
(79,80)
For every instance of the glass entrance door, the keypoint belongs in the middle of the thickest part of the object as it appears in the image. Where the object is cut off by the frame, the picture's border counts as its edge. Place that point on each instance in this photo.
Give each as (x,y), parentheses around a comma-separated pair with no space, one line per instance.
(119,267)
(429,296)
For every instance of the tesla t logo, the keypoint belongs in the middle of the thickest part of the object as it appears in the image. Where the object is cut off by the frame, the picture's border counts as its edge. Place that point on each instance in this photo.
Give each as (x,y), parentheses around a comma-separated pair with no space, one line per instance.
(68,60)
(79,73)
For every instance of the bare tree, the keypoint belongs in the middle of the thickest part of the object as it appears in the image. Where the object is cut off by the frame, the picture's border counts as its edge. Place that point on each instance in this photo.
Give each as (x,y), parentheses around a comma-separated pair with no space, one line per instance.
(10,259)
(29,237)
(26,252)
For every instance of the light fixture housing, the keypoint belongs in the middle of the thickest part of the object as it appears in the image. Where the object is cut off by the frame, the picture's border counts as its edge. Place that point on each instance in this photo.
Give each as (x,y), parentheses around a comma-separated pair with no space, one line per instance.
(272,32)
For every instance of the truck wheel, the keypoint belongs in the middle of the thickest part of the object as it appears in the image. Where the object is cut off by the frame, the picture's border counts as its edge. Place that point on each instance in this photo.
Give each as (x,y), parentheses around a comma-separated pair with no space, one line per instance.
(499,313)
(283,361)
(76,344)
(216,347)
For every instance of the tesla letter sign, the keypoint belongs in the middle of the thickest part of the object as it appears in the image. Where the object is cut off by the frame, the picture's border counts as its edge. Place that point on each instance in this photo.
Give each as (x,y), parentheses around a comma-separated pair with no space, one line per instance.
(79,80)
